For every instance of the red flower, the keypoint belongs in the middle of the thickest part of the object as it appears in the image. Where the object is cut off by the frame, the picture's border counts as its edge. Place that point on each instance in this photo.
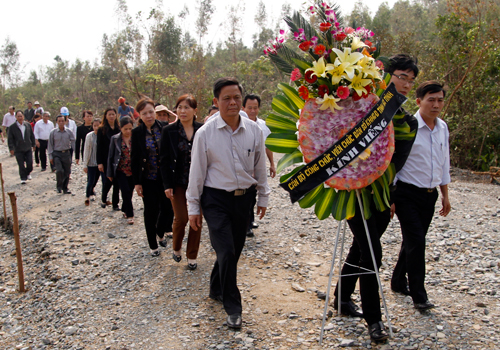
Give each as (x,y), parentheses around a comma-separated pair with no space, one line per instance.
(322,90)
(305,46)
(295,75)
(343,92)
(369,43)
(304,92)
(325,26)
(340,36)
(311,79)
(379,64)
(356,97)
(319,49)
(368,89)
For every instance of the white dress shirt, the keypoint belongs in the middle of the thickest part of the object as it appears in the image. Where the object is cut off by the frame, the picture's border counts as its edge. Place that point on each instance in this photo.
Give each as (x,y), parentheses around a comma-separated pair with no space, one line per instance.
(8,119)
(72,126)
(21,127)
(428,164)
(42,130)
(262,125)
(227,160)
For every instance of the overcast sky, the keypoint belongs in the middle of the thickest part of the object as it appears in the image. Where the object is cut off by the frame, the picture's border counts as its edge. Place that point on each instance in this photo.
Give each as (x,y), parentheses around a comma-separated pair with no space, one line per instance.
(74,29)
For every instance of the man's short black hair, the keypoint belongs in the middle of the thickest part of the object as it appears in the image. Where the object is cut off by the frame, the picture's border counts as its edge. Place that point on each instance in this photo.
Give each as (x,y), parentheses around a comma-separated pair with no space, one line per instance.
(212,108)
(430,87)
(223,82)
(251,97)
(402,62)
(61,116)
(29,102)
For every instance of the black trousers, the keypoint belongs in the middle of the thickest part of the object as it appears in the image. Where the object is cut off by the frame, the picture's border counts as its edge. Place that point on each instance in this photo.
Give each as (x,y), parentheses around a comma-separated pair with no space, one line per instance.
(158,212)
(62,163)
(25,162)
(92,179)
(43,153)
(415,209)
(359,255)
(126,184)
(106,186)
(37,155)
(252,212)
(227,218)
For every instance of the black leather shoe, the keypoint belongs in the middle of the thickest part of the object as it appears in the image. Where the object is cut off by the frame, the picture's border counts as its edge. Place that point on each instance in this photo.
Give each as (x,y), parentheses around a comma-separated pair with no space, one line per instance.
(424,306)
(377,332)
(59,190)
(192,266)
(163,242)
(255,225)
(250,233)
(347,308)
(66,191)
(234,321)
(215,297)
(402,290)
(177,258)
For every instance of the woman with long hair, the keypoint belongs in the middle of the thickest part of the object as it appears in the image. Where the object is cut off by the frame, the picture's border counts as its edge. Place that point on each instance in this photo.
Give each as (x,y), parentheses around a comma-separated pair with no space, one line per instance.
(109,127)
(176,142)
(119,165)
(146,140)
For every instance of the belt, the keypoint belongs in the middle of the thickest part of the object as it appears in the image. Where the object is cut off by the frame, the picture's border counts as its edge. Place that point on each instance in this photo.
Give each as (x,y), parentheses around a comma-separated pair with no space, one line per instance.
(420,189)
(66,150)
(241,192)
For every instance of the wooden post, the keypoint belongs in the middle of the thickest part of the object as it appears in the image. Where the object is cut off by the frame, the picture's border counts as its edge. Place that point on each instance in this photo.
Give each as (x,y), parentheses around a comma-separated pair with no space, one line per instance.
(3,199)
(19,256)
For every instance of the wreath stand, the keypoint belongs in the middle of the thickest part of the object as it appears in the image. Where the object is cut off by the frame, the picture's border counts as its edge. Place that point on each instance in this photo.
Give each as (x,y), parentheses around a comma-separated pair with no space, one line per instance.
(366,271)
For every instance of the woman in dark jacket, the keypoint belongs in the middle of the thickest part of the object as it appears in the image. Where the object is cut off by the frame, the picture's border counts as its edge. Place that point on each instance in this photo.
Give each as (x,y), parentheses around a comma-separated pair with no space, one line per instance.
(176,142)
(119,165)
(146,139)
(109,127)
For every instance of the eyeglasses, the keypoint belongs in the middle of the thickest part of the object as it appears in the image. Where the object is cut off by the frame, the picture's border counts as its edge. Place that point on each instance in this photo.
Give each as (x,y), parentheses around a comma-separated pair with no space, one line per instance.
(405,79)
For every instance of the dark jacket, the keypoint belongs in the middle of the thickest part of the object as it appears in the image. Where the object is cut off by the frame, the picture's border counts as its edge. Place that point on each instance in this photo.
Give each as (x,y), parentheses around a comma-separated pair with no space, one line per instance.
(81,133)
(170,167)
(140,153)
(29,114)
(15,139)
(114,155)
(402,148)
(103,140)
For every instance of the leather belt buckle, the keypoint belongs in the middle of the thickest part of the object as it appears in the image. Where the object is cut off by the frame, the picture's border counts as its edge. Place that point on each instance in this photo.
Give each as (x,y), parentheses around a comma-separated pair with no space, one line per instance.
(239,192)
(430,190)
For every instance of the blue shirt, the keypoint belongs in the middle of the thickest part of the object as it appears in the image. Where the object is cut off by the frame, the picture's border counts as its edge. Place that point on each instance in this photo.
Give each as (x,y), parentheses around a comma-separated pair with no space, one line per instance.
(124,112)
(428,164)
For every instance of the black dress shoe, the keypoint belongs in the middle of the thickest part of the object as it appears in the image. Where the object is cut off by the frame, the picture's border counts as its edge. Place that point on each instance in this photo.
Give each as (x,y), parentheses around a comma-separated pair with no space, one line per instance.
(66,191)
(116,208)
(59,190)
(377,332)
(177,258)
(424,306)
(234,321)
(215,297)
(402,290)
(163,242)
(250,233)
(347,308)
(192,266)
(255,225)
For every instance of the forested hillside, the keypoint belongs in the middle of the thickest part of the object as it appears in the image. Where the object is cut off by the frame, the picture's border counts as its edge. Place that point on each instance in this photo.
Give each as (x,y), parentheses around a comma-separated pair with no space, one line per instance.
(455,41)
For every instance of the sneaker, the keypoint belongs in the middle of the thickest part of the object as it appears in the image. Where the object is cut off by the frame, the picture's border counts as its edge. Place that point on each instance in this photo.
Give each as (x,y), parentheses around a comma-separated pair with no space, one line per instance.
(23,182)
(29,177)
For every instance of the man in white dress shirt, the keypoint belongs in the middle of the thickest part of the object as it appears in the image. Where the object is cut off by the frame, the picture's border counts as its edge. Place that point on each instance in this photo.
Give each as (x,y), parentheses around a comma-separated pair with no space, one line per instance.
(427,167)
(8,119)
(43,128)
(251,106)
(228,167)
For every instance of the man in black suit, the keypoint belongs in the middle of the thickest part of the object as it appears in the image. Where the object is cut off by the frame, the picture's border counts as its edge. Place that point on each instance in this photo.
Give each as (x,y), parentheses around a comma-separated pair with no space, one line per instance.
(21,141)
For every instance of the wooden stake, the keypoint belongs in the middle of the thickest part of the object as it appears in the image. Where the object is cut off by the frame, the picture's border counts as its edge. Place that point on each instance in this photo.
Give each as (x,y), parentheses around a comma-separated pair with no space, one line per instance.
(3,199)
(13,202)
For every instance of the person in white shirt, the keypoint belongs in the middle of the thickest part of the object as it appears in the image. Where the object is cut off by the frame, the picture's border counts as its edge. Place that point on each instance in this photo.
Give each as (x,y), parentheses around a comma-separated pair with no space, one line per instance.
(427,167)
(42,130)
(8,119)
(251,106)
(228,166)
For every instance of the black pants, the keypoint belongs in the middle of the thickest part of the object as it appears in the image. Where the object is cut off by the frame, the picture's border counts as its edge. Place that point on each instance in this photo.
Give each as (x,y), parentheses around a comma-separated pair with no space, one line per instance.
(43,153)
(252,212)
(227,218)
(37,155)
(415,209)
(126,184)
(25,162)
(62,163)
(158,213)
(106,186)
(359,255)
(92,179)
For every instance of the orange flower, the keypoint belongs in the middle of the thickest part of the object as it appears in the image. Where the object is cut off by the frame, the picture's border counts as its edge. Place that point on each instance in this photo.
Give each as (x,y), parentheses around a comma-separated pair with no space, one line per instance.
(325,26)
(304,92)
(319,49)
(365,52)
(382,85)
(304,46)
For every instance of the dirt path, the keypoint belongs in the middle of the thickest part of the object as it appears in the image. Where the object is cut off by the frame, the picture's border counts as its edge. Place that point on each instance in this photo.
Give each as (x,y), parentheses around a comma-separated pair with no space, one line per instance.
(93,285)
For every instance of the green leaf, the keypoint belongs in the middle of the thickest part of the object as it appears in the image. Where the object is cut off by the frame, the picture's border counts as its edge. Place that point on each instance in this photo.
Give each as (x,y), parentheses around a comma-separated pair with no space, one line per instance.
(344,205)
(385,190)
(312,197)
(323,206)
(292,94)
(281,105)
(378,196)
(289,159)
(390,173)
(290,174)
(405,137)
(402,128)
(366,197)
(278,124)
(351,205)
(282,142)
(387,78)
(281,64)
(303,65)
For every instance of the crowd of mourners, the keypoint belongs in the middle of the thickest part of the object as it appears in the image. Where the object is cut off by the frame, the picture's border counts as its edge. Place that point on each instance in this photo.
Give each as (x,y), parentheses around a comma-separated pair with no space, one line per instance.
(185,170)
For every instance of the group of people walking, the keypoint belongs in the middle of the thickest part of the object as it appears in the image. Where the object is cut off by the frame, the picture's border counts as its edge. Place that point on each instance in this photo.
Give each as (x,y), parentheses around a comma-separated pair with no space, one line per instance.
(184,170)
